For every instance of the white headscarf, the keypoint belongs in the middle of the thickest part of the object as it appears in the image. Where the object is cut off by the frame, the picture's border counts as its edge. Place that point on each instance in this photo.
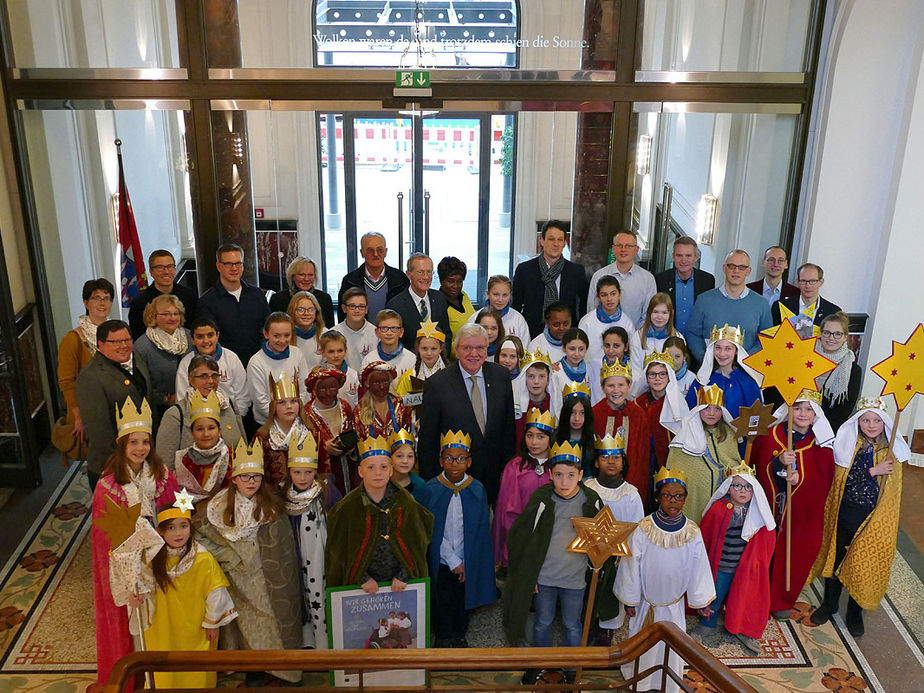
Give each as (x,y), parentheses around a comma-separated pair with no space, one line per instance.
(759,513)
(675,405)
(705,371)
(845,443)
(521,401)
(692,436)
(824,435)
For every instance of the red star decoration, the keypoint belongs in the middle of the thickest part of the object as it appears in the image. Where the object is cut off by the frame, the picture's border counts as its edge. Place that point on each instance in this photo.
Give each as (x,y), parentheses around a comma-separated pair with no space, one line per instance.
(911,356)
(894,371)
(808,364)
(902,371)
(790,380)
(768,362)
(908,387)
(789,345)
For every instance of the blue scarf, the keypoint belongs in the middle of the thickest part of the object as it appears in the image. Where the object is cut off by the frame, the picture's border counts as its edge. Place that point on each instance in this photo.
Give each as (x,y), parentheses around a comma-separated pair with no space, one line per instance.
(608,319)
(305,334)
(216,355)
(273,355)
(668,523)
(514,373)
(388,356)
(578,374)
(550,339)
(622,362)
(683,371)
(492,348)
(503,313)
(653,333)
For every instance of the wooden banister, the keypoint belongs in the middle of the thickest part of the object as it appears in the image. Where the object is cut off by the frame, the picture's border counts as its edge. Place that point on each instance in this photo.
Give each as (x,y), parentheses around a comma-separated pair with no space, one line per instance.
(697,657)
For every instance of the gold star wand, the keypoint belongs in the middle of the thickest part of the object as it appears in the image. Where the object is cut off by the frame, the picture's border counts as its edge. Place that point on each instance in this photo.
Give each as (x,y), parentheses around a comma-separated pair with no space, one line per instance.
(600,537)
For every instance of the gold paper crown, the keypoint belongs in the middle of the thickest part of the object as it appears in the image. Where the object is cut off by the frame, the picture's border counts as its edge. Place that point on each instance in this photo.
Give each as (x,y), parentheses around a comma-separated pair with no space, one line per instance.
(284,388)
(182,507)
(565,451)
(610,445)
(132,419)
(529,358)
(742,469)
(732,334)
(203,407)
(871,403)
(574,389)
(304,456)
(543,420)
(247,460)
(809,396)
(401,437)
(711,394)
(666,476)
(616,369)
(659,357)
(430,329)
(369,447)
(452,439)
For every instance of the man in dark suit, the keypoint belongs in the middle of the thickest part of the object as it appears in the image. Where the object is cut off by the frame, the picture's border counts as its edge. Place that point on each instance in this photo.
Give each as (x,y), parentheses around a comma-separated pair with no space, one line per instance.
(112,375)
(684,282)
(419,303)
(163,272)
(475,396)
(774,286)
(808,302)
(547,278)
(380,281)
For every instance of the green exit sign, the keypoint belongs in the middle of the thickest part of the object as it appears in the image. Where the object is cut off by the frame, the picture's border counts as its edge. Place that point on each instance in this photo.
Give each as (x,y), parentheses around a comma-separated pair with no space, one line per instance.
(412,79)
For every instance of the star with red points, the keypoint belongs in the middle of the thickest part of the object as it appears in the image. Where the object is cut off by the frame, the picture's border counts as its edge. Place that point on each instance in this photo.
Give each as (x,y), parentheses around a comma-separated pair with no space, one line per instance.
(808,364)
(894,371)
(790,345)
(790,380)
(911,356)
(905,382)
(768,362)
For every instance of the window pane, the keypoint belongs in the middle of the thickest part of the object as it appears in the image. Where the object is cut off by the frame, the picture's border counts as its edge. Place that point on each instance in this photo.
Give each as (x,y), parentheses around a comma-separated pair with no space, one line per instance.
(725,35)
(94,33)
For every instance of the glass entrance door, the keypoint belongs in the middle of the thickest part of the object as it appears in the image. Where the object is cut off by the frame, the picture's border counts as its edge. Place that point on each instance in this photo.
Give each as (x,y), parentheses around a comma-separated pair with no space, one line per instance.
(437,184)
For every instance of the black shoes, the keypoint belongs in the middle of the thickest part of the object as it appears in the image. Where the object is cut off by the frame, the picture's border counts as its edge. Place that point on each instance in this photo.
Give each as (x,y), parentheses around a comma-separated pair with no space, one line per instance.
(854,619)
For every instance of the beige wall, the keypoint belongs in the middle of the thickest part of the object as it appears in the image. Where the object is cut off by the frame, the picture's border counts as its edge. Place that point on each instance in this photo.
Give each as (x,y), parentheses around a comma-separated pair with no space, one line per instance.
(11,227)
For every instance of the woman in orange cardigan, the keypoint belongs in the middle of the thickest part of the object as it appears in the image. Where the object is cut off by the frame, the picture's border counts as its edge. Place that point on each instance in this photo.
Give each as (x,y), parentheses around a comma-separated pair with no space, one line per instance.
(79,345)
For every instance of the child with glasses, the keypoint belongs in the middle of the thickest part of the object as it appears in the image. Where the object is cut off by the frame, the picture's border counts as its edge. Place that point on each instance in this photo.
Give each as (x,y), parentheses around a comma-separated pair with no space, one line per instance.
(389,329)
(460,556)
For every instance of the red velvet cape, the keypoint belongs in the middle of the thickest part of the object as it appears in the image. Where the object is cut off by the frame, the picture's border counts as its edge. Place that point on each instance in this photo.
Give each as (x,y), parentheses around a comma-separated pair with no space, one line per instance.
(660,434)
(747,606)
(816,472)
(639,447)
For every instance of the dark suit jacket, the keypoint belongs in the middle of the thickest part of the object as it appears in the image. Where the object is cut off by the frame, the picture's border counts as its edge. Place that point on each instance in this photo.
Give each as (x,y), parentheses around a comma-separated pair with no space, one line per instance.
(666,282)
(280,301)
(396,279)
(447,406)
(529,292)
(824,309)
(786,290)
(404,305)
(100,386)
(240,322)
(187,297)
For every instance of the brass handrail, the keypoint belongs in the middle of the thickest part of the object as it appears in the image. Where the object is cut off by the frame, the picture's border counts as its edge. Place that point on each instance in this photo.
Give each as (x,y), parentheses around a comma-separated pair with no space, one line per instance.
(720,676)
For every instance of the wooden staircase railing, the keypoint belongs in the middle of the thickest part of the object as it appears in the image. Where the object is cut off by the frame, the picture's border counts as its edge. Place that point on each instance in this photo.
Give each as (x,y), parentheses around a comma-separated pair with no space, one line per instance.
(712,671)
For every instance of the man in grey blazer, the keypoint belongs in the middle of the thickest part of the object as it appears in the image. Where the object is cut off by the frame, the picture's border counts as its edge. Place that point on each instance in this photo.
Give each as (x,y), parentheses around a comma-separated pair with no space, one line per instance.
(113,374)
(475,396)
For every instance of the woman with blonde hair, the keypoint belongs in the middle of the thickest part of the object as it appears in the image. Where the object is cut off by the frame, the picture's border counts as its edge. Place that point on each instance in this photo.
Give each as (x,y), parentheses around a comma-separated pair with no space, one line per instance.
(308,323)
(301,275)
(162,346)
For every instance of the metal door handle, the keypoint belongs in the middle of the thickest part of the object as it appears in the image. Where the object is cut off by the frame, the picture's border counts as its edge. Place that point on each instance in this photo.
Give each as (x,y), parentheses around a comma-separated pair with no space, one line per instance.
(426,222)
(400,229)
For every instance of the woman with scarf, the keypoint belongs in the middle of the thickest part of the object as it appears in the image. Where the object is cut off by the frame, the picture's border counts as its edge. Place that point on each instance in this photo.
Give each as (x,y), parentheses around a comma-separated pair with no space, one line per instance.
(308,323)
(175,428)
(705,449)
(75,351)
(861,514)
(379,413)
(300,276)
(839,388)
(451,272)
(286,422)
(162,346)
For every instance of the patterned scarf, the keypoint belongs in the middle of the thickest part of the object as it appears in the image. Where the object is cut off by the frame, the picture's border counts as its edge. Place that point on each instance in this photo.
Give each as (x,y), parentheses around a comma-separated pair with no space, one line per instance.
(668,523)
(654,333)
(297,502)
(87,331)
(272,354)
(834,384)
(608,319)
(387,356)
(578,374)
(175,343)
(549,276)
(279,440)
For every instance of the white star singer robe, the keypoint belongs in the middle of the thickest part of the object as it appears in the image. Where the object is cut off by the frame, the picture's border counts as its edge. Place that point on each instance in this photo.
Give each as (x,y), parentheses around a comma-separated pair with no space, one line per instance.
(664,567)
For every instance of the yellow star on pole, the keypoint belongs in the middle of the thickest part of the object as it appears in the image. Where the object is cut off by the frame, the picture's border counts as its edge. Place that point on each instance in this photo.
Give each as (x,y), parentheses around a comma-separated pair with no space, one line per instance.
(789,363)
(903,371)
(601,536)
(117,522)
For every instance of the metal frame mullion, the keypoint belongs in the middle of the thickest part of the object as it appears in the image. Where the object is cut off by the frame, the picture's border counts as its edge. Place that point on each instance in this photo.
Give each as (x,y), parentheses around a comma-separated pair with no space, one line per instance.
(484,199)
(349,189)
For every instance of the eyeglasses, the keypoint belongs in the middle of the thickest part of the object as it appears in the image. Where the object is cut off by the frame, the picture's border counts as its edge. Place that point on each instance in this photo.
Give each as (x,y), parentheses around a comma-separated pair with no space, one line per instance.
(120,342)
(161,268)
(740,268)
(100,299)
(207,376)
(455,460)
(304,275)
(673,496)
(388,328)
(834,335)
(624,246)
(657,375)
(250,477)
(355,306)
(810,282)
(305,311)
(741,487)
(234,265)
(469,349)
(374,251)
(174,314)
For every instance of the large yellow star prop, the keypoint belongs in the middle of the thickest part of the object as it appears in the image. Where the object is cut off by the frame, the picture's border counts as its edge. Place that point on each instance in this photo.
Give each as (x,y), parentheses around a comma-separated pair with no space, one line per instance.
(903,371)
(117,522)
(789,363)
(601,536)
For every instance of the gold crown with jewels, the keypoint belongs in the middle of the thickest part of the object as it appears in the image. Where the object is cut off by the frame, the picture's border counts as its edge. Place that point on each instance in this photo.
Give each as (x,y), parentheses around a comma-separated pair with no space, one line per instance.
(401,437)
(543,420)
(742,469)
(453,439)
(659,357)
(565,451)
(370,447)
(610,444)
(871,403)
(809,396)
(732,334)
(529,358)
(667,476)
(574,389)
(616,369)
(133,419)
